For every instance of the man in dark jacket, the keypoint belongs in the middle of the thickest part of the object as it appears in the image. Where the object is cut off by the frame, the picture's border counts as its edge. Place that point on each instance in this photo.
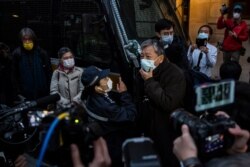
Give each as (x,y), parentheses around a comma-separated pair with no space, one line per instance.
(164,85)
(175,48)
(32,67)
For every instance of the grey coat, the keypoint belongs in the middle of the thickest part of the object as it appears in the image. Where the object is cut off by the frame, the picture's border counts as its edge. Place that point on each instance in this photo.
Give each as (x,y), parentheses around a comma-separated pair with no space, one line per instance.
(68,86)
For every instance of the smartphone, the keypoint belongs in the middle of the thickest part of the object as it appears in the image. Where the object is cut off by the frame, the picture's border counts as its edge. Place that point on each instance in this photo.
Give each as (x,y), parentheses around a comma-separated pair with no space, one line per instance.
(115,78)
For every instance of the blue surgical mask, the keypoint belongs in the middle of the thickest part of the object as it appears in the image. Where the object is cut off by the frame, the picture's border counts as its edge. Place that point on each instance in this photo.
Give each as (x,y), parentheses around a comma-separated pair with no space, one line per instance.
(146,64)
(167,39)
(202,35)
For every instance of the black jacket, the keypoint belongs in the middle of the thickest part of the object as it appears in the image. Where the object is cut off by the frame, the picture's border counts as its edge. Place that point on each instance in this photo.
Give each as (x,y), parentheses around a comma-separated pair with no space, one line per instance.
(120,115)
(104,106)
(32,70)
(176,52)
(165,90)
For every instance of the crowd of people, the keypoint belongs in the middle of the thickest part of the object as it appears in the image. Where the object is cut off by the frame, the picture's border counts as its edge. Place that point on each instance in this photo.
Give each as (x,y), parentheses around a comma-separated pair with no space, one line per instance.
(166,65)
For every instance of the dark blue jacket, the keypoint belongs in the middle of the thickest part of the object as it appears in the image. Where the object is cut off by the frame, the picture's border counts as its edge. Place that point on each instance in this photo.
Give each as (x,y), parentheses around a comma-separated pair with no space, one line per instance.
(104,106)
(119,124)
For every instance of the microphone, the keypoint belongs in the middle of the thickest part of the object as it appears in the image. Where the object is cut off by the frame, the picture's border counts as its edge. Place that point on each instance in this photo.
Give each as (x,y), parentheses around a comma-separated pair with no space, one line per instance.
(29,104)
(48,99)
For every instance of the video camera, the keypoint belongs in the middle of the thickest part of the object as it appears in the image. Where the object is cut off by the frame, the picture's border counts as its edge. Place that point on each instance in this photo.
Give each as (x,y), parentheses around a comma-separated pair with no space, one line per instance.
(209,132)
(224,9)
(24,121)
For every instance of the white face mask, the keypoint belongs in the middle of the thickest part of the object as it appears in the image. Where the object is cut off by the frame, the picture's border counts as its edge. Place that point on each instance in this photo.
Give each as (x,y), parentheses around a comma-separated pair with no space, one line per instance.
(146,64)
(110,85)
(167,39)
(236,15)
(69,63)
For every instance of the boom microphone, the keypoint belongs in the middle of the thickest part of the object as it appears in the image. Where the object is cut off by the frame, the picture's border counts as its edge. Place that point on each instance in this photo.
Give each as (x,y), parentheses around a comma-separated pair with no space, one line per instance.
(48,99)
(29,104)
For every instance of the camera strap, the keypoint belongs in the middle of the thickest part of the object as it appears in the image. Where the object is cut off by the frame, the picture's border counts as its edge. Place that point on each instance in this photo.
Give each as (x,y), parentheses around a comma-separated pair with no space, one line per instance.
(199,59)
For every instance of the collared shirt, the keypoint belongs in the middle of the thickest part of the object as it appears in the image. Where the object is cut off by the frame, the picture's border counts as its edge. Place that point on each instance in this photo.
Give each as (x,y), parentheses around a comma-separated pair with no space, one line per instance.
(208,60)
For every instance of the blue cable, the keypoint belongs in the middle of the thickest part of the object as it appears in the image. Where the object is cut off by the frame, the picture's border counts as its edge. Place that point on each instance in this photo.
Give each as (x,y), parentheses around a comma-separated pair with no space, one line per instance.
(46,141)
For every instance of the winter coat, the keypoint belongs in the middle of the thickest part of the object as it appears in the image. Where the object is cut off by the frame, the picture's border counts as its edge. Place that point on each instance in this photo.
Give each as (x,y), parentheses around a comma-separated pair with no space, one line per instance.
(230,43)
(32,71)
(165,92)
(68,86)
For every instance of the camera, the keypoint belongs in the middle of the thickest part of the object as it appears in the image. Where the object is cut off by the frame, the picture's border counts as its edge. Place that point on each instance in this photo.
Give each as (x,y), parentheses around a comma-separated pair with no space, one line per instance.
(73,129)
(224,9)
(26,123)
(210,132)
(201,42)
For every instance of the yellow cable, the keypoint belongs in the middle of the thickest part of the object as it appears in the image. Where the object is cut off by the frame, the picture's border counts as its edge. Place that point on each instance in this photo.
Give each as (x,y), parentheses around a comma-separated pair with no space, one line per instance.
(60,117)
(63,115)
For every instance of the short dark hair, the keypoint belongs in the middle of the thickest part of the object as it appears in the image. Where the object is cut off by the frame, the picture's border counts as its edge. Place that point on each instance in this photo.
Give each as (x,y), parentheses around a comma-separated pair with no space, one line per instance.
(163,24)
(207,26)
(62,51)
(157,45)
(230,70)
(28,32)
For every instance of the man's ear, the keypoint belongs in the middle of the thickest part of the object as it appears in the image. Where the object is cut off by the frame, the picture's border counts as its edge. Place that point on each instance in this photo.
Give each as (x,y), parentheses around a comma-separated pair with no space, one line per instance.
(161,58)
(158,34)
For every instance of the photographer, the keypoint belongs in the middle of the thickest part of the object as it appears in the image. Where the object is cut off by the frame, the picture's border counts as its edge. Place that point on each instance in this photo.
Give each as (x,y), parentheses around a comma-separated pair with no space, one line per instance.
(236,32)
(186,150)
(202,56)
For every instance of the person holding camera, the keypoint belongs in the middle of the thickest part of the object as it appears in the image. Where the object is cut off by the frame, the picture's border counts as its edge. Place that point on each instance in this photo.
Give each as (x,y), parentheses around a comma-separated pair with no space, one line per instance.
(186,150)
(202,56)
(236,32)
